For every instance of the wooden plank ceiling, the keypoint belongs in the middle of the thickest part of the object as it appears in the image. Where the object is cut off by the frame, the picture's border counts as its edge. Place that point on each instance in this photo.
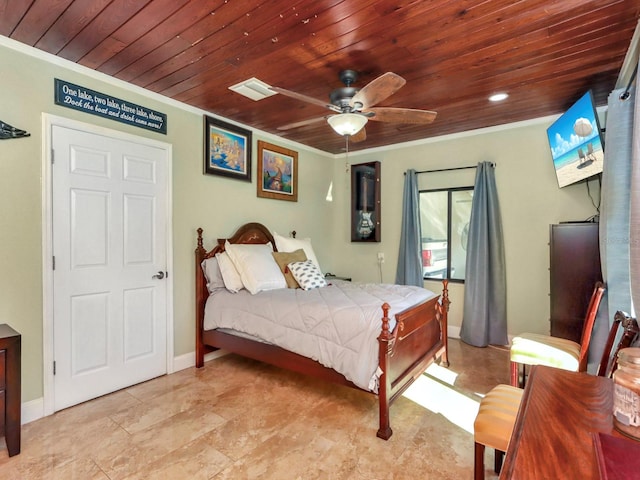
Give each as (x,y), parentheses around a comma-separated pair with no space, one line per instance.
(453,54)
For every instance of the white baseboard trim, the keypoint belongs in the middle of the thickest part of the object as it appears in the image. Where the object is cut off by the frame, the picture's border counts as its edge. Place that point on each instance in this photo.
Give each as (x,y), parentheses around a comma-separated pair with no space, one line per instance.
(214,355)
(188,360)
(183,362)
(453,331)
(32,410)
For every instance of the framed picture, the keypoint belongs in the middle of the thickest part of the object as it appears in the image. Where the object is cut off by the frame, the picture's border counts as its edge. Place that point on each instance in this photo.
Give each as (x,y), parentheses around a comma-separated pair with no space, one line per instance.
(227,150)
(277,172)
(365,202)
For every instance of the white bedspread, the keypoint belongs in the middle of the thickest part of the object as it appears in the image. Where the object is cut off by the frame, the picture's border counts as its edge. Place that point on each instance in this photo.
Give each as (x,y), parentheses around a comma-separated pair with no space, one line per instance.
(337,325)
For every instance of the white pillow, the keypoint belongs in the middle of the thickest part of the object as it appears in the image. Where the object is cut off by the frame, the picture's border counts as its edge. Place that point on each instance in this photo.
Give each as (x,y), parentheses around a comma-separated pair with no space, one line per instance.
(230,275)
(256,266)
(307,275)
(212,273)
(288,244)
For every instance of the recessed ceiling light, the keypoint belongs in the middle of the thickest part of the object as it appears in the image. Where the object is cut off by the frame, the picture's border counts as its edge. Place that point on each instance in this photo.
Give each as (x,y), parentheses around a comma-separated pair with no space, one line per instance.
(498,97)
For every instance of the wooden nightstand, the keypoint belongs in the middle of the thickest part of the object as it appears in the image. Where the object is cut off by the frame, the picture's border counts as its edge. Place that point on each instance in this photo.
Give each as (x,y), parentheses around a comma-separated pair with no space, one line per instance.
(10,343)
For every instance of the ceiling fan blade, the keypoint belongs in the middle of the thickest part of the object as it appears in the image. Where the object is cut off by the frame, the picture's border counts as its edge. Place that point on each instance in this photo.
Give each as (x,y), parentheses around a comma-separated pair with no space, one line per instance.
(359,136)
(400,115)
(304,98)
(302,123)
(377,90)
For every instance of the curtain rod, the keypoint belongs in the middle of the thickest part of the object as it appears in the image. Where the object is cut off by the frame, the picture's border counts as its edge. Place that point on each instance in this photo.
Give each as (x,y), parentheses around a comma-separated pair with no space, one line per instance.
(449,169)
(624,95)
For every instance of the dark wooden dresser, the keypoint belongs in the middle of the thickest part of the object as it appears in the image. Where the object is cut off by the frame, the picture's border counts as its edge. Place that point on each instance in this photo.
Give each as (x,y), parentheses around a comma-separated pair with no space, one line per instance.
(574,269)
(10,385)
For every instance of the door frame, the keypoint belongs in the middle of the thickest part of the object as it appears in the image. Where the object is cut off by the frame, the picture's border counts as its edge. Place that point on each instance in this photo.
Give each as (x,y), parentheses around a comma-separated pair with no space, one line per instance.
(48,122)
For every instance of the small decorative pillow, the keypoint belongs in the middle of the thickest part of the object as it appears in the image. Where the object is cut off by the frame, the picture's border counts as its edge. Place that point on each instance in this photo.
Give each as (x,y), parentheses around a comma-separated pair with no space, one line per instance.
(307,274)
(285,258)
(288,244)
(212,273)
(230,275)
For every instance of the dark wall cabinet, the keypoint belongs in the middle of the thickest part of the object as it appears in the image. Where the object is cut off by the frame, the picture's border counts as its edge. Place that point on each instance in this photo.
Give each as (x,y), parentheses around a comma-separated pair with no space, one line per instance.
(574,270)
(365,202)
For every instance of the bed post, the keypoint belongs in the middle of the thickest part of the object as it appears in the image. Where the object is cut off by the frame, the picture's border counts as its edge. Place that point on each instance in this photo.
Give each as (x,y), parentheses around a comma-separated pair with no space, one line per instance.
(384,389)
(443,311)
(200,299)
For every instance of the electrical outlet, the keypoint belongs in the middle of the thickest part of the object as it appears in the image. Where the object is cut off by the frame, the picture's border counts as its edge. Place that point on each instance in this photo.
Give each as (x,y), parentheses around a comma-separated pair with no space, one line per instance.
(380,257)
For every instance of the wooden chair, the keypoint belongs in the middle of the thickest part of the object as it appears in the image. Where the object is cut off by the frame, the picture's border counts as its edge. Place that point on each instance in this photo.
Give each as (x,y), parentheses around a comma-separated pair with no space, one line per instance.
(630,331)
(494,424)
(581,155)
(499,408)
(536,349)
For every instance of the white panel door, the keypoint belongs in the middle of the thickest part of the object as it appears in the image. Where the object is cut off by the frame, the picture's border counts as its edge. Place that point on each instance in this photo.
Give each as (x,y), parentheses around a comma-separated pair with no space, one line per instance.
(109,242)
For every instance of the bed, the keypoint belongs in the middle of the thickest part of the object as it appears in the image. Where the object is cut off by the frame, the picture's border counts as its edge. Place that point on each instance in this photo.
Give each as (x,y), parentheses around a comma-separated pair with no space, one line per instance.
(408,342)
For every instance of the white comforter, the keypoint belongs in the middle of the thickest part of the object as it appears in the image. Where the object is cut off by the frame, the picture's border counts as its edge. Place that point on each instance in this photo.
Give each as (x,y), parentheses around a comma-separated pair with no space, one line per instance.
(335,325)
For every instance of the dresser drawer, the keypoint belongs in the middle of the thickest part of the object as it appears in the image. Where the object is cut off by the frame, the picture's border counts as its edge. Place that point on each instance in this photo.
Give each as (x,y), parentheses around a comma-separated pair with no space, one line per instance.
(3,383)
(2,409)
(3,374)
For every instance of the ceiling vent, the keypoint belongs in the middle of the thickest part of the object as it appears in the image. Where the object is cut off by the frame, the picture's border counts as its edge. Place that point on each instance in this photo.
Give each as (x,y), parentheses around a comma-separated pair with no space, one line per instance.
(253,88)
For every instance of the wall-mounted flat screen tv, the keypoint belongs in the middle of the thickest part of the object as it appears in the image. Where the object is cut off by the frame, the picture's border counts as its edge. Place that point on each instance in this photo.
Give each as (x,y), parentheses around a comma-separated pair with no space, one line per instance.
(577,143)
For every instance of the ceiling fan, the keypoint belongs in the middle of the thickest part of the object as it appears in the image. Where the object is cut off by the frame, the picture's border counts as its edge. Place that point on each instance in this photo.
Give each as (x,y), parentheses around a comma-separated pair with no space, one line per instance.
(353,107)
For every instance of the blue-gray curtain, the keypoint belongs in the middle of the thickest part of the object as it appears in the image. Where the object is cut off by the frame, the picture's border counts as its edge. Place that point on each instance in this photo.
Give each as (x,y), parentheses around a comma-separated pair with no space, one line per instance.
(409,271)
(484,320)
(614,218)
(634,215)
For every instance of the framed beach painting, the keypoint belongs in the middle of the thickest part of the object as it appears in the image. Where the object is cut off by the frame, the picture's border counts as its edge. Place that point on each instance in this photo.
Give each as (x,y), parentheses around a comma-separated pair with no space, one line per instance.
(277,172)
(227,150)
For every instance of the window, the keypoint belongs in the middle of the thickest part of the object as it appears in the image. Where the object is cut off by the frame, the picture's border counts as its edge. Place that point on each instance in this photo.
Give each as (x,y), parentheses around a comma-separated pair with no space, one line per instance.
(444,218)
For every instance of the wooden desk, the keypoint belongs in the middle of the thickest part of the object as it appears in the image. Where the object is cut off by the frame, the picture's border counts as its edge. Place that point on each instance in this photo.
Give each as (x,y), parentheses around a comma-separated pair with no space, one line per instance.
(552,435)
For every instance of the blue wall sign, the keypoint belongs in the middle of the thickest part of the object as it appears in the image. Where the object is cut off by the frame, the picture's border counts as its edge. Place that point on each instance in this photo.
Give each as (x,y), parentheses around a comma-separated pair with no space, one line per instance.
(86,100)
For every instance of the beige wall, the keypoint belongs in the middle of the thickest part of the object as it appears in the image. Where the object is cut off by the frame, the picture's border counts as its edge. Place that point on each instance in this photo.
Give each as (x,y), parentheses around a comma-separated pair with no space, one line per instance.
(529,198)
(530,201)
(217,204)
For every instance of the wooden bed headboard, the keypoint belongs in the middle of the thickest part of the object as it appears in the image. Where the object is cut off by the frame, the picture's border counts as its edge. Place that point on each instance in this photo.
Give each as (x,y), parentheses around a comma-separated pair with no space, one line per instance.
(248,233)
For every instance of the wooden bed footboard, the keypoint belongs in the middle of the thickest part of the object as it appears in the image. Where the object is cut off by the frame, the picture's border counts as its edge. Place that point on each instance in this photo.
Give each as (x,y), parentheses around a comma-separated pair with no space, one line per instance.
(418,339)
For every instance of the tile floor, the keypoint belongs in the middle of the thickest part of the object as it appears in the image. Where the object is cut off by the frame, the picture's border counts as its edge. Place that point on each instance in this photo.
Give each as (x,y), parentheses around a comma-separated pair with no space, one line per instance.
(240,419)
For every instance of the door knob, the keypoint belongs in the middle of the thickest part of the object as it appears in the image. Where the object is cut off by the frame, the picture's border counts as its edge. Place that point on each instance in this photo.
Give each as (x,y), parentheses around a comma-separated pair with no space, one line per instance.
(159,275)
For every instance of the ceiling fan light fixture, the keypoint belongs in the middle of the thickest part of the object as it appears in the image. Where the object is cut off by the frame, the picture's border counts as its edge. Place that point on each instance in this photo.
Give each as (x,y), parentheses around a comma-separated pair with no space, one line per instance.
(347,123)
